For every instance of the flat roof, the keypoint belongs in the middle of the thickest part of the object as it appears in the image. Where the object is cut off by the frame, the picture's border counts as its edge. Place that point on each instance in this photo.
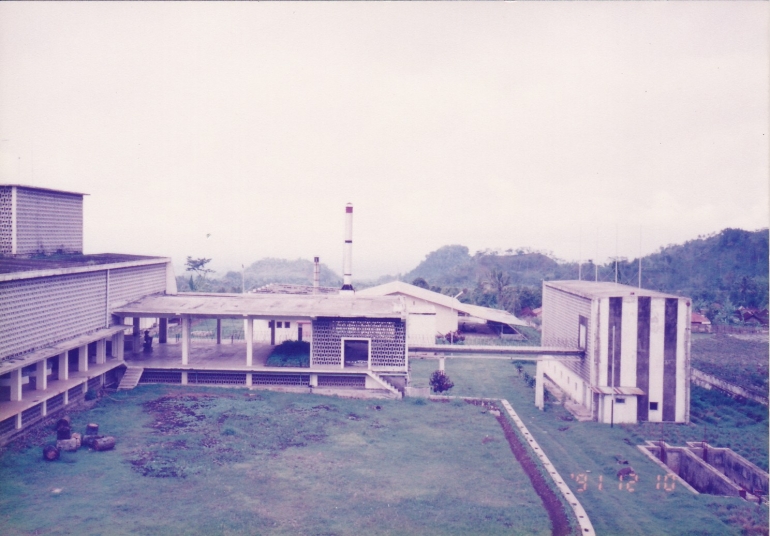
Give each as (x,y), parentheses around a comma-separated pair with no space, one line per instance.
(269,306)
(17,267)
(28,187)
(286,288)
(605,289)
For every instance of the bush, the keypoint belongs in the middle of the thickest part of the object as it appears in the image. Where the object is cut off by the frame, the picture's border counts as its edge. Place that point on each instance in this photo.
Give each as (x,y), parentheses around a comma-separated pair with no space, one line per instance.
(440,382)
(290,354)
(91,395)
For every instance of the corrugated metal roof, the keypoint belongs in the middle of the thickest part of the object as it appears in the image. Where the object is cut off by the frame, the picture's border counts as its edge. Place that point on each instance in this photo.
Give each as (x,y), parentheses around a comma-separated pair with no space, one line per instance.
(265,306)
(485,313)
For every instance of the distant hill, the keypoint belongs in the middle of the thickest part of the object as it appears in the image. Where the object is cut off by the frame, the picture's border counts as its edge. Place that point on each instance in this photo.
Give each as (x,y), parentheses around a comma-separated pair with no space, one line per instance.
(264,272)
(728,269)
(719,271)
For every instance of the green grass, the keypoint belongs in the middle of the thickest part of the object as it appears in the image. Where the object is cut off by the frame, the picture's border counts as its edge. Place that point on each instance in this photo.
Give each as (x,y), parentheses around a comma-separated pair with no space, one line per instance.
(290,354)
(227,461)
(743,362)
(582,452)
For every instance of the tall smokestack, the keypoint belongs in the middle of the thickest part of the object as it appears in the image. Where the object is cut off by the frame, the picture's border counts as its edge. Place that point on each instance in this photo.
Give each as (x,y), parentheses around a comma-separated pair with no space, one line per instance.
(347,263)
(316,275)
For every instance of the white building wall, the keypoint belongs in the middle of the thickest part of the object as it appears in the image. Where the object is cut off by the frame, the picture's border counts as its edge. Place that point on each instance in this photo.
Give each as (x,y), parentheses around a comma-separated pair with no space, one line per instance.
(682,379)
(657,331)
(47,222)
(628,330)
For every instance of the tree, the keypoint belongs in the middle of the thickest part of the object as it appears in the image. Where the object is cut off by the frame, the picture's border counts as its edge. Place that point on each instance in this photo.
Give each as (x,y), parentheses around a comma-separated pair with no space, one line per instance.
(198,267)
(440,382)
(420,282)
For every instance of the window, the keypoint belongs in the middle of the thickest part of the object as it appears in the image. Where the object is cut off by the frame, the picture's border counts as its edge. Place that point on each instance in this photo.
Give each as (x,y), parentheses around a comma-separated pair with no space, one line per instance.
(620,400)
(288,325)
(582,332)
(280,324)
(653,406)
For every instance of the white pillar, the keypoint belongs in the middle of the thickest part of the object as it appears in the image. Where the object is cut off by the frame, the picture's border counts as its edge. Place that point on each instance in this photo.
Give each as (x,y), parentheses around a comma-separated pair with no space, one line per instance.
(18,421)
(184,377)
(64,366)
(441,364)
(248,379)
(16,385)
(121,345)
(44,408)
(185,340)
(41,378)
(249,341)
(83,358)
(314,380)
(539,395)
(66,397)
(101,351)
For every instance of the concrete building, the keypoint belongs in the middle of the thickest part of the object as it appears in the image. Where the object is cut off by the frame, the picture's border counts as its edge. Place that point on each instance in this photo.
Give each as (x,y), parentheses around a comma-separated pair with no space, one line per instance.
(636,365)
(449,313)
(57,334)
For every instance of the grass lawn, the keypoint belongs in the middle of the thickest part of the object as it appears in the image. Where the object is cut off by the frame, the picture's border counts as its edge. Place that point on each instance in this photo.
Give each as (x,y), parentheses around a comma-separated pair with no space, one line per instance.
(584,452)
(738,359)
(232,461)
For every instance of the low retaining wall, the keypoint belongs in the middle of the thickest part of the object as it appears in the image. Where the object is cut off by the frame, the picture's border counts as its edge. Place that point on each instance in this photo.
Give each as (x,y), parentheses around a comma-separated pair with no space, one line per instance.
(715,471)
(708,381)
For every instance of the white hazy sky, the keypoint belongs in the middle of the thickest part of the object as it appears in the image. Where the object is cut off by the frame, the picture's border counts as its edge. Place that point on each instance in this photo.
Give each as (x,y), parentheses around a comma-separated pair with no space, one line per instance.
(493,125)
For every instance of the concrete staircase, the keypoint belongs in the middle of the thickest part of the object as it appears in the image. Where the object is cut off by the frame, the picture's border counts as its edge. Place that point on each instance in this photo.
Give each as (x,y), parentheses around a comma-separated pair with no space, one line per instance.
(131,378)
(386,384)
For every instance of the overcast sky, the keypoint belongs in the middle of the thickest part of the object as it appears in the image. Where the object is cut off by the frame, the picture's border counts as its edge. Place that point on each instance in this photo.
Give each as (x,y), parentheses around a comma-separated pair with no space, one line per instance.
(555,126)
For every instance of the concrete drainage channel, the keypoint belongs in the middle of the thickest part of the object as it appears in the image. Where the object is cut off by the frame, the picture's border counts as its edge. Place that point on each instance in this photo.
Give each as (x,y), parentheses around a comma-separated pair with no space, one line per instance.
(584,523)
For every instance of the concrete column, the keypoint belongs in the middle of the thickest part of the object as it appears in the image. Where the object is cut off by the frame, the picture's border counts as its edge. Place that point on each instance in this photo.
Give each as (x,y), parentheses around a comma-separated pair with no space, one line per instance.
(44,408)
(41,380)
(121,345)
(64,366)
(83,358)
(249,334)
(136,339)
(314,380)
(441,364)
(184,377)
(539,395)
(16,385)
(219,331)
(66,397)
(101,351)
(272,332)
(17,424)
(185,340)
(162,330)
(248,379)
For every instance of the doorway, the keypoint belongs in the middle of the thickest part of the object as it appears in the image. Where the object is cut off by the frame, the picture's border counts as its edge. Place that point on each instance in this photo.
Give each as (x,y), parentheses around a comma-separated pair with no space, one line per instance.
(355,353)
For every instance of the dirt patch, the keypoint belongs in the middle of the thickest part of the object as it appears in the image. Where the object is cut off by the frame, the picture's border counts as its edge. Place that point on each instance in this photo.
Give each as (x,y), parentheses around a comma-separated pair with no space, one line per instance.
(560,525)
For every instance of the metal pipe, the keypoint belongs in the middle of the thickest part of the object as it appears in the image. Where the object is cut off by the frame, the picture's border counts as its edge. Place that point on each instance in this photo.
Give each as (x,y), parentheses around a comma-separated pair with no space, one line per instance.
(316,275)
(347,264)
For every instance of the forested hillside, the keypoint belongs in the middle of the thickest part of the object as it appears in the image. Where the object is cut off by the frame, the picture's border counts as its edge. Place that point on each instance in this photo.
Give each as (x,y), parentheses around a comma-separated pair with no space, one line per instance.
(720,272)
(262,272)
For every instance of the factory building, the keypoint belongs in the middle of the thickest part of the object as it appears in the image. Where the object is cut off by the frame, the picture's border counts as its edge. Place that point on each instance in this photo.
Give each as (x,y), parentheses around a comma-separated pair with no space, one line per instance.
(636,365)
(57,334)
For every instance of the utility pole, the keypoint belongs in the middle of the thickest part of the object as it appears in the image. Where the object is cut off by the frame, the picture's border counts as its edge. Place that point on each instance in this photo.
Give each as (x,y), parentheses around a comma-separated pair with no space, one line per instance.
(612,381)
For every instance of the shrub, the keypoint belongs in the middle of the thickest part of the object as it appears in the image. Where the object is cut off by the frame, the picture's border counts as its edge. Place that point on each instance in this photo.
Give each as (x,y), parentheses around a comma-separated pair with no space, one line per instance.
(91,394)
(440,382)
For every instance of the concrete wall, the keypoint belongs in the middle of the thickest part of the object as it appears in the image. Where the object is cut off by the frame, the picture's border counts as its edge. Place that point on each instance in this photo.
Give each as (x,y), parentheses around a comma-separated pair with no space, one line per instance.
(387,346)
(47,222)
(38,312)
(444,321)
